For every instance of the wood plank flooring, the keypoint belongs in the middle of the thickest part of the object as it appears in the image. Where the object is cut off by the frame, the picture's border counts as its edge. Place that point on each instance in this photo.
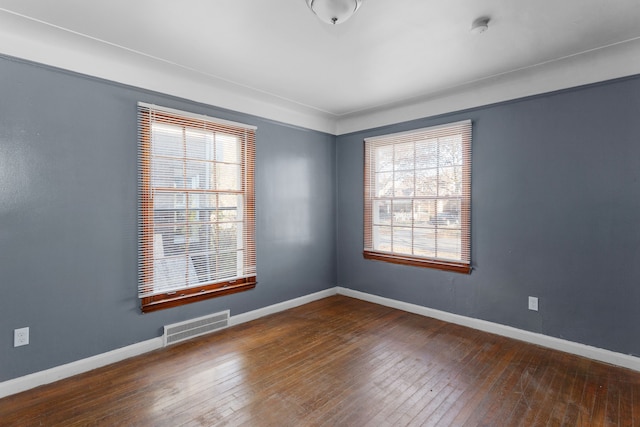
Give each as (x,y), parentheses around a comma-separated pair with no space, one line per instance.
(339,362)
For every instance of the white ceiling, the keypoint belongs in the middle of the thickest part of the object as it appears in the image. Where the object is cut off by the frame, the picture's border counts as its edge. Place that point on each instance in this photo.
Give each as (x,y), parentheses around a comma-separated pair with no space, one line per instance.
(394,60)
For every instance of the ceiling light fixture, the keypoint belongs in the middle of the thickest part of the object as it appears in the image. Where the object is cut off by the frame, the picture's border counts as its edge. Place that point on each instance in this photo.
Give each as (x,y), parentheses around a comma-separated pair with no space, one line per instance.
(334,11)
(480,25)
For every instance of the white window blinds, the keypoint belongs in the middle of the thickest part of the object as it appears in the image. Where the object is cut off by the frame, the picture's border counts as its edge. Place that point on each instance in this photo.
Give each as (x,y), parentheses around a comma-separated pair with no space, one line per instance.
(197,207)
(417,197)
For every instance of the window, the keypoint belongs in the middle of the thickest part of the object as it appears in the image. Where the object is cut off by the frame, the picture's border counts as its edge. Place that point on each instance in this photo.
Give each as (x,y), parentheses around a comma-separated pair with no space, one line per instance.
(196,207)
(417,197)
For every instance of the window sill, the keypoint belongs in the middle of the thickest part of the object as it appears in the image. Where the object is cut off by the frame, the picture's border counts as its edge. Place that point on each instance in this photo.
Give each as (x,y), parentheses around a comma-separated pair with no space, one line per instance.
(418,262)
(187,296)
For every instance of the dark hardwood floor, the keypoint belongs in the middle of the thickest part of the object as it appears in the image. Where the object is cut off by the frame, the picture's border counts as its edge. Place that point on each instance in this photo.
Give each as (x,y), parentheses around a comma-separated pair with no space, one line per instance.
(340,362)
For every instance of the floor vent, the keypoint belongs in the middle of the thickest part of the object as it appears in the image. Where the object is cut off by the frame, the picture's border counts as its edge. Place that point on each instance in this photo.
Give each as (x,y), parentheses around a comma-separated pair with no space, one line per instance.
(195,327)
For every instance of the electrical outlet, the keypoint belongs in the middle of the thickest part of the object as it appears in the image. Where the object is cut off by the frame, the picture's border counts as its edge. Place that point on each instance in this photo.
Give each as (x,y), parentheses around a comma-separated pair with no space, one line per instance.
(20,337)
(533,303)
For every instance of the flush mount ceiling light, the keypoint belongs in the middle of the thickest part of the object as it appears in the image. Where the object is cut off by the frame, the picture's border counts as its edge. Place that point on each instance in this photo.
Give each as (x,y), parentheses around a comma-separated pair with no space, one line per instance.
(334,11)
(480,25)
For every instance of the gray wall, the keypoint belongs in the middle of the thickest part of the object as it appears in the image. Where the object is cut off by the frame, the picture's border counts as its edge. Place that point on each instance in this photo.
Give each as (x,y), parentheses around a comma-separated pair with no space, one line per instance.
(555,214)
(68,216)
(555,202)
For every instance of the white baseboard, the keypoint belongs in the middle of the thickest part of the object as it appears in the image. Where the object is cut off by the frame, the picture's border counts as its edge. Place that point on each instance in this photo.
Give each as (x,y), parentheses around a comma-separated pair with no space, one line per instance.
(47,376)
(285,305)
(36,379)
(595,353)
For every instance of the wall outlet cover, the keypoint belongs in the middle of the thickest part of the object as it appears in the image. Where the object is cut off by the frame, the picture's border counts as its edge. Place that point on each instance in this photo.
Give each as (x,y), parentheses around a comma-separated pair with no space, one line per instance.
(533,303)
(20,337)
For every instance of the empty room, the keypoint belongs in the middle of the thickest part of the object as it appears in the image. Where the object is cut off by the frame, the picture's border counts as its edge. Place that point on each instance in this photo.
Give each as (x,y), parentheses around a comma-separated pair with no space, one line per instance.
(319,213)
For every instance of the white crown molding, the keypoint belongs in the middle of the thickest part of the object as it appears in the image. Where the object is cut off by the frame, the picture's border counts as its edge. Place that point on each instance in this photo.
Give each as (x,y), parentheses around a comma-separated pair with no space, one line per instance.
(611,62)
(39,42)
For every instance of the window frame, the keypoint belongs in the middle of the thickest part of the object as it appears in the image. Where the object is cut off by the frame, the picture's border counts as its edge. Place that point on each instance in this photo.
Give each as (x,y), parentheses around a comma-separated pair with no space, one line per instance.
(462,128)
(148,115)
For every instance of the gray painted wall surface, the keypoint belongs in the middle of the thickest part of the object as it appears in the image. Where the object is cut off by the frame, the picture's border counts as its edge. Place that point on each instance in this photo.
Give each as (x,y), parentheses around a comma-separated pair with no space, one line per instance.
(68,217)
(555,214)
